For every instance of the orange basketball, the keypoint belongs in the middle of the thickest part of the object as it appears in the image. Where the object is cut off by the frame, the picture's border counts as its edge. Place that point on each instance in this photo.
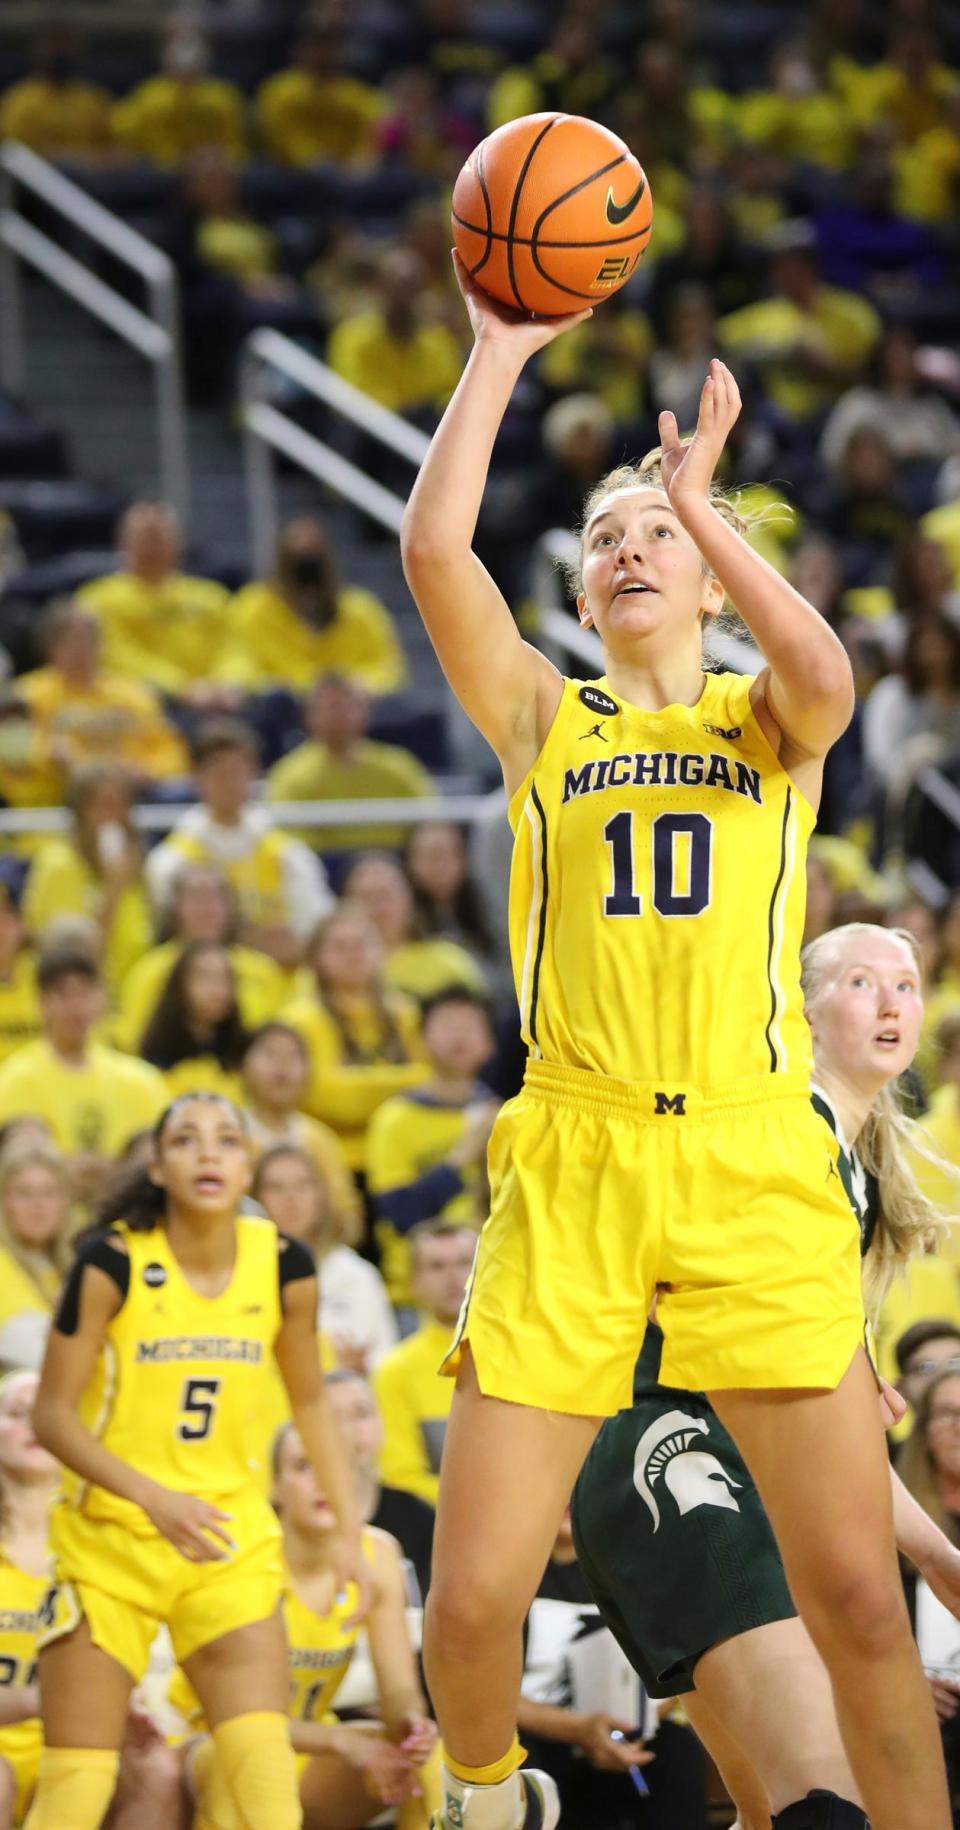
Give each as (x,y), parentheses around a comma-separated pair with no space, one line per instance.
(551,213)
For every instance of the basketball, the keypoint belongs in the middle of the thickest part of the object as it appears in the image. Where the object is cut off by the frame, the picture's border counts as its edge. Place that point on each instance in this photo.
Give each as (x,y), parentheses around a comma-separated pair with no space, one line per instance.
(551,213)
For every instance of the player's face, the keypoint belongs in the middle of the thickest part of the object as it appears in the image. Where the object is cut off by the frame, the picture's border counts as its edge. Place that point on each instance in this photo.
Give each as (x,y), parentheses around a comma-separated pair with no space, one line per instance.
(359,1419)
(296,1491)
(35,1205)
(943,1427)
(291,1191)
(641,569)
(866,1020)
(203,1158)
(276,1071)
(21,1456)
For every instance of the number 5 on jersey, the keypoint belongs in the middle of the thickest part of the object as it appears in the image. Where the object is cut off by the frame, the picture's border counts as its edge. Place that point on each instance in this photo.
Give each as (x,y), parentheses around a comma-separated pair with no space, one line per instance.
(667,830)
(197,1409)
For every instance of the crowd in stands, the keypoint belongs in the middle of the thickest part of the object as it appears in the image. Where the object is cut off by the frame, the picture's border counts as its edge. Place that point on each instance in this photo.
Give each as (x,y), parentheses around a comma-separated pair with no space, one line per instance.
(344,981)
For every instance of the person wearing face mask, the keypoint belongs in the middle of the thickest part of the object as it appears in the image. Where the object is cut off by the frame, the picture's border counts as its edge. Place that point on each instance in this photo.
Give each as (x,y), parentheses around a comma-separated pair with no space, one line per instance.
(302,622)
(173,114)
(52,110)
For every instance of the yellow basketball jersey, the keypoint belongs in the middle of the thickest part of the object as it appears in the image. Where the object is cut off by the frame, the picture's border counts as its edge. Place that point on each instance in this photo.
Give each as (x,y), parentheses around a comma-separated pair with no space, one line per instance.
(180,1383)
(21,1603)
(320,1648)
(657,891)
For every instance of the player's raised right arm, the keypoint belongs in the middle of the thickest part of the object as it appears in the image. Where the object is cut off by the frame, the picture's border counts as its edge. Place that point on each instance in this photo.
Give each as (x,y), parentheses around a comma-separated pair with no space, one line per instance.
(506,687)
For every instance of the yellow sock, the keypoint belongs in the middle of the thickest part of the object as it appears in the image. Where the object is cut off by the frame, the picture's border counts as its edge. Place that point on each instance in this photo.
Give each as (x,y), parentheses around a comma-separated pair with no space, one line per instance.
(419,1813)
(488,1775)
(258,1769)
(215,1809)
(74,1788)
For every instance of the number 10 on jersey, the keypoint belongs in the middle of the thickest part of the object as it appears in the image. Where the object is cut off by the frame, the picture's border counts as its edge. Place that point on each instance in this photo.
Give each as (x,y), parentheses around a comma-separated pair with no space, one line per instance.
(677,838)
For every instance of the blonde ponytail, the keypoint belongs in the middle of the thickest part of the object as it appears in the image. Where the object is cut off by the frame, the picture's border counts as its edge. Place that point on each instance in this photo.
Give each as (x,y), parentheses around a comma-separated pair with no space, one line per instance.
(908,1224)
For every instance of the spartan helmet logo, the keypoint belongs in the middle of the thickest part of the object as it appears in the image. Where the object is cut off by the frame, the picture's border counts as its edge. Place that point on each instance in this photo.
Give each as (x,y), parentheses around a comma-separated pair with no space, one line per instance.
(694,1477)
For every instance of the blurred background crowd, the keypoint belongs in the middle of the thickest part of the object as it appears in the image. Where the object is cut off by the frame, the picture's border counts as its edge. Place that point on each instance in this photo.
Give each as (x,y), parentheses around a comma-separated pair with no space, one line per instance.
(348,983)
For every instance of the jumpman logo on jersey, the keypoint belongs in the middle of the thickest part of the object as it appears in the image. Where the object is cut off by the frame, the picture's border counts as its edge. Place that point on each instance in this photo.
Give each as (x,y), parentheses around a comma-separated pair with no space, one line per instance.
(832,1170)
(594,731)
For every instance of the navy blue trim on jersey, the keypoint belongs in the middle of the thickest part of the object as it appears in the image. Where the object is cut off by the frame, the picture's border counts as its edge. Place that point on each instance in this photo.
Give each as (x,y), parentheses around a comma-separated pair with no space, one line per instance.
(295,1260)
(543,912)
(103,1252)
(770,921)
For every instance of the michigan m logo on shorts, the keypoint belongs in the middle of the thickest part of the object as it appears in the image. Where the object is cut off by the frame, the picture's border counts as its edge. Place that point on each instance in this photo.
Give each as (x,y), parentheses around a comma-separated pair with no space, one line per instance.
(670,1102)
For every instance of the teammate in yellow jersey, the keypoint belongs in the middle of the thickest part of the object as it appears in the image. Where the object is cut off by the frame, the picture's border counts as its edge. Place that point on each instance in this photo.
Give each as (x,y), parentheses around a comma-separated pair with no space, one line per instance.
(664,1137)
(155,1372)
(349,1771)
(148,1795)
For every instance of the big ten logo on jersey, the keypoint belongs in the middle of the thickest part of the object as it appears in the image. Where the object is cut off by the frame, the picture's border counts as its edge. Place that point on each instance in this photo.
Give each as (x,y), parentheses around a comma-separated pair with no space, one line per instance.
(615,268)
(717,730)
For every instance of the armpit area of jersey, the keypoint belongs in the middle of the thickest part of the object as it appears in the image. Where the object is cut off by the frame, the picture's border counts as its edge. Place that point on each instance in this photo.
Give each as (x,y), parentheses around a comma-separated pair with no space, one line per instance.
(106,1255)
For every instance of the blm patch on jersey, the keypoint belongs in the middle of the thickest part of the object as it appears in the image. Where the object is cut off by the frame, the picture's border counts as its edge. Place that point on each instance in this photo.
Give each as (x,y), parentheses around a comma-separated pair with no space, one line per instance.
(599,701)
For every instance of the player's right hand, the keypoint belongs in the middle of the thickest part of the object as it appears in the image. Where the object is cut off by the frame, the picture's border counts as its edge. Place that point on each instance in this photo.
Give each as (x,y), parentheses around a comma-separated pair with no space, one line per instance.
(194,1527)
(388,1774)
(520,331)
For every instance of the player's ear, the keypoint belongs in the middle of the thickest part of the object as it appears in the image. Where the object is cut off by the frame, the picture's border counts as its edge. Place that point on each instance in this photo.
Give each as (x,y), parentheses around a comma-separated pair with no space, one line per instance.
(155,1172)
(585,615)
(713,596)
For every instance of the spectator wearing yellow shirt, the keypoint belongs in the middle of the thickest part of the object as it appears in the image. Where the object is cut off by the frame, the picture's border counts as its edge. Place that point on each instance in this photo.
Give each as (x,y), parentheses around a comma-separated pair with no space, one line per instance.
(53,111)
(276,1075)
(396,353)
(797,117)
(408,1384)
(426,1147)
(353,1310)
(92,1098)
(910,90)
(302,622)
(940,1126)
(806,339)
(316,112)
(35,1204)
(95,870)
(364,1040)
(202,907)
(417,964)
(160,624)
(171,115)
(20,1019)
(196,1035)
(280,885)
(606,356)
(82,713)
(339,762)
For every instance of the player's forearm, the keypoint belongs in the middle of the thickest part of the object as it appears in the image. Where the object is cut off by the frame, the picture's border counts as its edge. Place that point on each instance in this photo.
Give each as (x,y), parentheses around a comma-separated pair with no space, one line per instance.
(812,682)
(60,1431)
(918,1538)
(441,515)
(319,1432)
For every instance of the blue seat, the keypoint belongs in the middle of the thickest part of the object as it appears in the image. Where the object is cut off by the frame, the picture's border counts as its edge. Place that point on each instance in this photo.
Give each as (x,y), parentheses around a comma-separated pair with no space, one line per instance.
(53,517)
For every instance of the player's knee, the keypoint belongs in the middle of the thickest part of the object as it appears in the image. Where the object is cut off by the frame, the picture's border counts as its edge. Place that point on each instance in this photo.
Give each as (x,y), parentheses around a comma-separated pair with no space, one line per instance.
(861,1612)
(822,1811)
(471,1611)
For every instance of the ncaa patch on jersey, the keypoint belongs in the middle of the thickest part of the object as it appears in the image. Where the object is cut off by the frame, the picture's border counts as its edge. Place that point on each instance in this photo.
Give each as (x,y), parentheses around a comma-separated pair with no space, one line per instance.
(598,701)
(154,1275)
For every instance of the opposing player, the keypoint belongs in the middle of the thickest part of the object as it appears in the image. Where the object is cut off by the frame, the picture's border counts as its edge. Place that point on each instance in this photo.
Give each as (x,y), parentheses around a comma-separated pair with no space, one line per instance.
(157,1364)
(670,1531)
(664,1135)
(348,1770)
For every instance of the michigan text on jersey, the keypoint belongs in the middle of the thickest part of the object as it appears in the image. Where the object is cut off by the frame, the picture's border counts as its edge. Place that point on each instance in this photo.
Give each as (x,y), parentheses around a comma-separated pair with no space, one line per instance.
(194,1347)
(663,769)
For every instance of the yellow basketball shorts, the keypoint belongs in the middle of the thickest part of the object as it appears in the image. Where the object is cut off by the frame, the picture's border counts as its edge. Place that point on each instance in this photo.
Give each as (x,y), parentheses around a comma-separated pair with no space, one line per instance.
(727,1203)
(21,1745)
(125,1585)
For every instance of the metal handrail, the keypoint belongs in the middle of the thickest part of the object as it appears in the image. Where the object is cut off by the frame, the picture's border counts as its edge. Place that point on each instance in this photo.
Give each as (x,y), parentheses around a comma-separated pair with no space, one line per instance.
(163,816)
(154,333)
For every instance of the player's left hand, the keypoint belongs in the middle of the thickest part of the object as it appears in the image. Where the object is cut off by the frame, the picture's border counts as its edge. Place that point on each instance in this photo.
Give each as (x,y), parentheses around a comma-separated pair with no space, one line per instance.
(417,1738)
(942,1576)
(687,469)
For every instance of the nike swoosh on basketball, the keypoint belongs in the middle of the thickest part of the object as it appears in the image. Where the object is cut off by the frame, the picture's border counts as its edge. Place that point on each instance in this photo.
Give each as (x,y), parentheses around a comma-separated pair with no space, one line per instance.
(618,212)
